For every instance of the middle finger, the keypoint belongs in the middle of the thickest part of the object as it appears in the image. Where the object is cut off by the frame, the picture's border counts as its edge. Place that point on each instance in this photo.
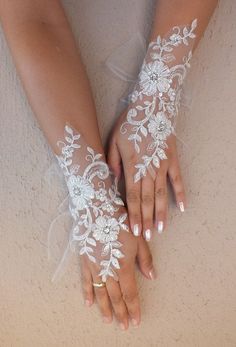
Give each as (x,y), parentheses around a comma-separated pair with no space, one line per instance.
(118,303)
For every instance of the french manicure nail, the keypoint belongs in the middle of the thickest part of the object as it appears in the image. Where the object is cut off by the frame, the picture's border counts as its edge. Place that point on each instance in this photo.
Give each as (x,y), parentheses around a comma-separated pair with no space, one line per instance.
(181,206)
(122,326)
(148,235)
(134,322)
(153,274)
(160,227)
(136,230)
(88,303)
(107,320)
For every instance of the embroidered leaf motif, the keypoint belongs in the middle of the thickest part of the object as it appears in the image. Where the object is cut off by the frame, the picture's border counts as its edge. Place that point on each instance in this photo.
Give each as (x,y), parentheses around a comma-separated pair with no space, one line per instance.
(132,113)
(91,241)
(68,139)
(194,24)
(115,263)
(119,201)
(69,130)
(122,218)
(156,162)
(137,176)
(140,108)
(116,244)
(143,131)
(137,148)
(132,137)
(92,258)
(124,227)
(117,253)
(75,145)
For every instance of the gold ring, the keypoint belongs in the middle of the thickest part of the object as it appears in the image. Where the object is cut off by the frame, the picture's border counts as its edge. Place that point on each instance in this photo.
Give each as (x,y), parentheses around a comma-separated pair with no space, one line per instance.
(99,285)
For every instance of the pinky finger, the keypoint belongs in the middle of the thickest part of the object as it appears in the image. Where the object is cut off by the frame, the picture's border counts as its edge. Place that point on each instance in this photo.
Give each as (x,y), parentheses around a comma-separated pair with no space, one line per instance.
(177,184)
(86,280)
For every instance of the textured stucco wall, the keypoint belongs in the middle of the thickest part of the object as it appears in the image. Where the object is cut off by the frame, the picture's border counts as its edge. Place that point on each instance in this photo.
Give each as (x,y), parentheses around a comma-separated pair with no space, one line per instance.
(193,303)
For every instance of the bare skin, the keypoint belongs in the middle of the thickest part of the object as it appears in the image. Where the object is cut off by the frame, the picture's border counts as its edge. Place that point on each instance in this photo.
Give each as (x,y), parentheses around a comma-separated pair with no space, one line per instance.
(147,199)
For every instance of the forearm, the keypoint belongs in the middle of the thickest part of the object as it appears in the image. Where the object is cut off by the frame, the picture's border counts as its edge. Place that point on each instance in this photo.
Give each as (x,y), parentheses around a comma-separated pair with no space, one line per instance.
(51,70)
(180,13)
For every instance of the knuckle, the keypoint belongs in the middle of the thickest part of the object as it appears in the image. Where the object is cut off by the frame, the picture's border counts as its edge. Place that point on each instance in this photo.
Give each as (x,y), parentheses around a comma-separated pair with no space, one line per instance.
(130,297)
(132,157)
(121,316)
(160,192)
(147,261)
(176,178)
(169,153)
(101,294)
(122,263)
(86,284)
(86,288)
(135,216)
(116,299)
(162,214)
(125,266)
(132,196)
(147,199)
(180,192)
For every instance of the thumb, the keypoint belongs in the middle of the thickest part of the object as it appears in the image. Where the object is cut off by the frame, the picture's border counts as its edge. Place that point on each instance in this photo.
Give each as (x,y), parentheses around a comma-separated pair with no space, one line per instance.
(114,159)
(144,259)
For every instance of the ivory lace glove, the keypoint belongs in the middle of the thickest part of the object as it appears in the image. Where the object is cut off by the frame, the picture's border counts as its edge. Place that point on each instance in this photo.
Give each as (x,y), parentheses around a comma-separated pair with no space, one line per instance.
(95,203)
(156,98)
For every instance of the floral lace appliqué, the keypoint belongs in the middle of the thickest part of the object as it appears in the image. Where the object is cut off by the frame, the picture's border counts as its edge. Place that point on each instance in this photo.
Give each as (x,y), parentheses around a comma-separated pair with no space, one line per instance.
(94,202)
(156,97)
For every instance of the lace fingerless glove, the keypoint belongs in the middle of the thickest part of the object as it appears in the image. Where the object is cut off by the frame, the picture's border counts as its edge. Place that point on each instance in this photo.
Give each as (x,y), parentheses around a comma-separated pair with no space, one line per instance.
(156,97)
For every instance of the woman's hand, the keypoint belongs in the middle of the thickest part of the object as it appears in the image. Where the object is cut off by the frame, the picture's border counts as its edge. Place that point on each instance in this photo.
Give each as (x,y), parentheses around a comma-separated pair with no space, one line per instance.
(101,231)
(120,297)
(147,199)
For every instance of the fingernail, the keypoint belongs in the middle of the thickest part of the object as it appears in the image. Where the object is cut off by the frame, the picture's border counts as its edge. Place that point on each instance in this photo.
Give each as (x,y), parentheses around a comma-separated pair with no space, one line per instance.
(88,303)
(153,274)
(160,227)
(107,320)
(134,322)
(181,206)
(136,230)
(122,326)
(148,235)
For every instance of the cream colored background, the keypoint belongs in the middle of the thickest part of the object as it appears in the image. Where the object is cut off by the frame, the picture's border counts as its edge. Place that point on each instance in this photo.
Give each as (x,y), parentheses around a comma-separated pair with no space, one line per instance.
(193,303)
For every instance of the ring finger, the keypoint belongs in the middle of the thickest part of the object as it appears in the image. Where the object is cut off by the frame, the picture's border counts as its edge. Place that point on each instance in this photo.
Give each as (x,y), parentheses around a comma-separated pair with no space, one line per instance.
(102,298)
(86,280)
(161,200)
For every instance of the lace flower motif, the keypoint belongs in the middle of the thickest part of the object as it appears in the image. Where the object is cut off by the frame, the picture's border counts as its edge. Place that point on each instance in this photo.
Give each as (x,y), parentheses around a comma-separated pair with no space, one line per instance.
(154,78)
(93,204)
(105,229)
(81,191)
(159,126)
(160,81)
